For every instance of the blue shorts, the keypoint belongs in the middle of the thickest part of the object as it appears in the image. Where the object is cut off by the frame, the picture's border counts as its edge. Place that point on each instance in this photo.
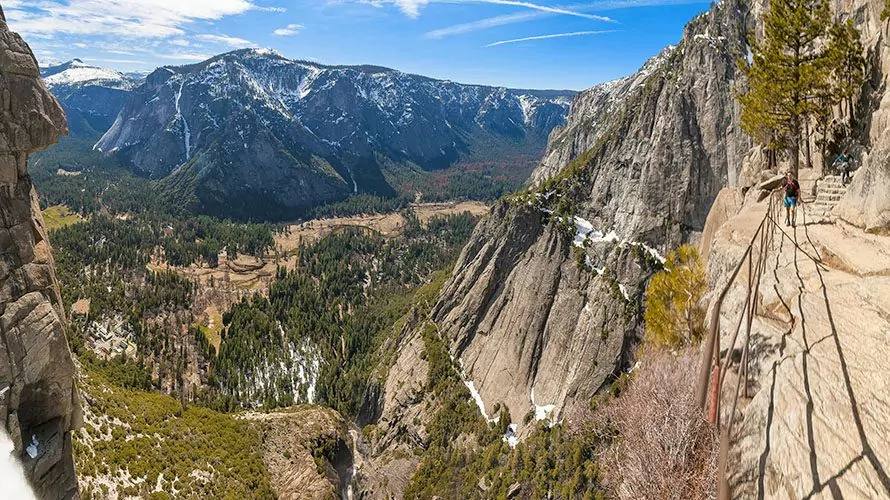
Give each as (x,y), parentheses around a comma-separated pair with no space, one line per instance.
(790,202)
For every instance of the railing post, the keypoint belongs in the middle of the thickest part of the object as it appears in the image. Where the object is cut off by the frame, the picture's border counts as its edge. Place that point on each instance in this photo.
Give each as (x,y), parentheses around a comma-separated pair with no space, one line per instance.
(708,354)
(715,393)
(722,459)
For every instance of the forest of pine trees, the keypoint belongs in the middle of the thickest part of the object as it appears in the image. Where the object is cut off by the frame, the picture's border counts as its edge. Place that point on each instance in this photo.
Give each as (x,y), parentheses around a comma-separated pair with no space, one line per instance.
(346,292)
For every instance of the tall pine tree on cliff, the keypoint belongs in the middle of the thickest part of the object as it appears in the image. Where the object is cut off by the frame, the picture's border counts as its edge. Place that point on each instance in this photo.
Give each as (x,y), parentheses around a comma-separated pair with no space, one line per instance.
(789,74)
(848,64)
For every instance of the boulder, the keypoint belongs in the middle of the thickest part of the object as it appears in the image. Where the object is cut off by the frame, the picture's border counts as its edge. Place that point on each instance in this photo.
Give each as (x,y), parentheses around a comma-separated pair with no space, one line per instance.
(774,182)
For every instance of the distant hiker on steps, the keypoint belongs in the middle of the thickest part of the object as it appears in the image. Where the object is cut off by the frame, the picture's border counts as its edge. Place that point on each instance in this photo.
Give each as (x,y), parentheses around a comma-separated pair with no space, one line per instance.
(844,162)
(792,195)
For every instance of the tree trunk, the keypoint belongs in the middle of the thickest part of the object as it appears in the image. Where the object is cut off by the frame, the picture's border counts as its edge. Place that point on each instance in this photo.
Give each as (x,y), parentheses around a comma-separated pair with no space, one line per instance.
(795,146)
(807,139)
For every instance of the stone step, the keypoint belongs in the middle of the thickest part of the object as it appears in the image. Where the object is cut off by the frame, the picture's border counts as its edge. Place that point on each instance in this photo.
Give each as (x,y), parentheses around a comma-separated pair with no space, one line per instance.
(828,197)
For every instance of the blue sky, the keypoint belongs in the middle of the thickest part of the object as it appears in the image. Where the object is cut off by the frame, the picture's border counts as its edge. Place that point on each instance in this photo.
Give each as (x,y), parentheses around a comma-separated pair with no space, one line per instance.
(565,44)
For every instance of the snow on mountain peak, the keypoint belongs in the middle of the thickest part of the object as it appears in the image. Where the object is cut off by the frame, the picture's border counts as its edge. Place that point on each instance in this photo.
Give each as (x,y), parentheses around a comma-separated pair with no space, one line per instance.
(76,72)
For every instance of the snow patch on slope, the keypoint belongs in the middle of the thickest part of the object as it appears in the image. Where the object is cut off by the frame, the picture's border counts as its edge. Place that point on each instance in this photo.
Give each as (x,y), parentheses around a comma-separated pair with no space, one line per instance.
(478,399)
(542,412)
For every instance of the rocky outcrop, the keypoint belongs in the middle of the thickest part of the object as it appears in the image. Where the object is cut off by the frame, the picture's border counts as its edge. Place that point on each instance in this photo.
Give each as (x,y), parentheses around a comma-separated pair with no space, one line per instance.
(867,201)
(307,450)
(544,306)
(39,403)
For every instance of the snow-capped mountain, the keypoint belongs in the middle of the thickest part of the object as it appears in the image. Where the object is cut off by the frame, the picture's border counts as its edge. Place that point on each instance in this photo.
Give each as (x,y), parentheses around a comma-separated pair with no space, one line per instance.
(251,127)
(91,96)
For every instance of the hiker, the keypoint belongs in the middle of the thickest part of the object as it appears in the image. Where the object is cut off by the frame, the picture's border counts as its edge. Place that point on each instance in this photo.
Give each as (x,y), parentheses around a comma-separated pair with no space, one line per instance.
(792,196)
(844,160)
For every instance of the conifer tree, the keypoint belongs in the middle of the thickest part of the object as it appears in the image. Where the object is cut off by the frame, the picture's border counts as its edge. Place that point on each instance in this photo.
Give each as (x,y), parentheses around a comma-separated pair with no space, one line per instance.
(673,315)
(789,73)
(845,50)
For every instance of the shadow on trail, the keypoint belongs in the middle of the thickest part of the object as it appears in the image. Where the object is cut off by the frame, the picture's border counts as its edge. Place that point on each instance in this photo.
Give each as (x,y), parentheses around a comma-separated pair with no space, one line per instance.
(867,451)
(761,487)
(810,408)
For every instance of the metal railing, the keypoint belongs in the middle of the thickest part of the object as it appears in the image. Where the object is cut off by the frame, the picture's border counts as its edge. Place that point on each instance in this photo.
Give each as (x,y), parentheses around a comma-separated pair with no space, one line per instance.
(713,370)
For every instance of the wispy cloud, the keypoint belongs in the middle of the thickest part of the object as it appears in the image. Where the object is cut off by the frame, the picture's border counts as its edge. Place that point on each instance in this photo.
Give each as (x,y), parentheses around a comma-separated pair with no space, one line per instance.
(494,22)
(484,24)
(131,18)
(412,8)
(113,61)
(184,56)
(547,37)
(545,8)
(290,30)
(225,40)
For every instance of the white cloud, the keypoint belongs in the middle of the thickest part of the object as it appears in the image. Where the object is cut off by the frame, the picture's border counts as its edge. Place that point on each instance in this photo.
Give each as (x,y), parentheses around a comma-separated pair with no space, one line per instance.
(131,18)
(290,30)
(483,24)
(180,42)
(184,56)
(604,5)
(546,37)
(225,40)
(545,8)
(412,8)
(114,61)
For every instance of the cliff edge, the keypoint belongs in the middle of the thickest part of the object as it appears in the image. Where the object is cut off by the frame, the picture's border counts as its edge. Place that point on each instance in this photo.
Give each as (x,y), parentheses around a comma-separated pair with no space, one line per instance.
(39,403)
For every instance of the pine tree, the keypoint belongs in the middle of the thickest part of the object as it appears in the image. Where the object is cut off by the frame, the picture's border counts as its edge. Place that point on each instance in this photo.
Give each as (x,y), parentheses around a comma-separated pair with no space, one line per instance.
(789,73)
(673,315)
(845,51)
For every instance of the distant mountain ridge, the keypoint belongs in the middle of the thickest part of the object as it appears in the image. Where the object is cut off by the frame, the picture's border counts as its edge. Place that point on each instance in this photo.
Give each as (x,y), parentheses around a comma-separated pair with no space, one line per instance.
(91,96)
(250,133)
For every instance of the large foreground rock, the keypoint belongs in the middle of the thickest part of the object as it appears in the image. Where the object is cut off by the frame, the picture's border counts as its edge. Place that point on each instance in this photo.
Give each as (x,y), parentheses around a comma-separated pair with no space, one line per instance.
(39,403)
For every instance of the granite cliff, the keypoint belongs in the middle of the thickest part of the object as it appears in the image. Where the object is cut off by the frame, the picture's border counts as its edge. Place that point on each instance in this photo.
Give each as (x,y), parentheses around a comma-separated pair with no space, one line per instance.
(39,403)
(543,310)
(544,306)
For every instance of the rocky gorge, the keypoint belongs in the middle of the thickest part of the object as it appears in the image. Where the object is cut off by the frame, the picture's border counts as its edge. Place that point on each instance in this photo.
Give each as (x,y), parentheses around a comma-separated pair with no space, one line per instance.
(542,312)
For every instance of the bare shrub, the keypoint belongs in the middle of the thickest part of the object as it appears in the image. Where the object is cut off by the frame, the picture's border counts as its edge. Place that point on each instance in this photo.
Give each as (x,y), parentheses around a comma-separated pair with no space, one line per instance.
(664,447)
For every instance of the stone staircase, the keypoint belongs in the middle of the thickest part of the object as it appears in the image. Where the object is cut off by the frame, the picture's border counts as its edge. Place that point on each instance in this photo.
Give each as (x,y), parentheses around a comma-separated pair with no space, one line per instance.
(829,191)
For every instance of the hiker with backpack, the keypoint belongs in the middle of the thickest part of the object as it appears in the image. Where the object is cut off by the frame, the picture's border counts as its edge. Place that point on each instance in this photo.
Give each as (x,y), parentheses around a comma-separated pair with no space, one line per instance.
(792,198)
(844,160)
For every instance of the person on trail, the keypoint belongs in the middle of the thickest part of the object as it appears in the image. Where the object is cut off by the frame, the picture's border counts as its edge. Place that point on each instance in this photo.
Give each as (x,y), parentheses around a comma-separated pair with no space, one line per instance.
(844,160)
(792,196)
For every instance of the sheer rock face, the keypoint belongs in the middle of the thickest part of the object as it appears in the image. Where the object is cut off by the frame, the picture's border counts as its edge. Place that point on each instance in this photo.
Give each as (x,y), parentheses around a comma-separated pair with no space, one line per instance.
(39,403)
(531,327)
(867,201)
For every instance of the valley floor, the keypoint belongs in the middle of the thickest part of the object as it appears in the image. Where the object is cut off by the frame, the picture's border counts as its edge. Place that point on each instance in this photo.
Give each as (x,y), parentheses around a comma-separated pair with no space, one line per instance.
(817,424)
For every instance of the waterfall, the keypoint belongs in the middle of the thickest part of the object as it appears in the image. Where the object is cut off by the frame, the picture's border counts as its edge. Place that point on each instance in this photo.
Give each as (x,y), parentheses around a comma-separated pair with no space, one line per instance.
(12,477)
